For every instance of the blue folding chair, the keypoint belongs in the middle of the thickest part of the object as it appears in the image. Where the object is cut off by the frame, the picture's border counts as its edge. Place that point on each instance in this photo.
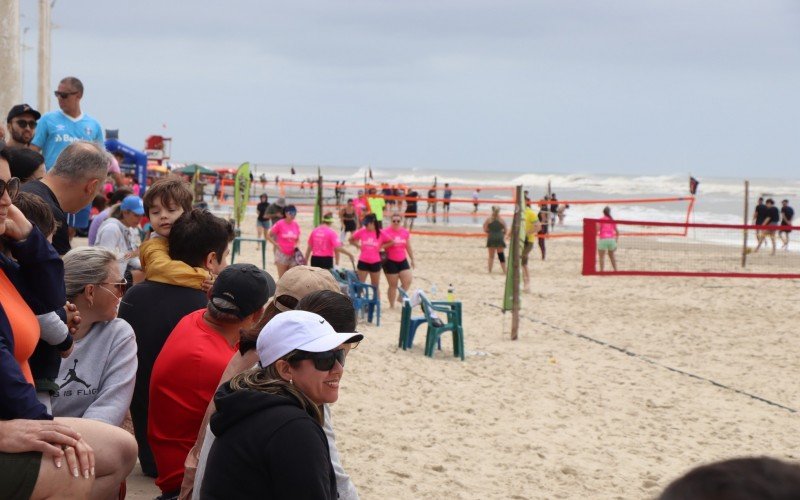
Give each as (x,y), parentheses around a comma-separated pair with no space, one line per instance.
(364,297)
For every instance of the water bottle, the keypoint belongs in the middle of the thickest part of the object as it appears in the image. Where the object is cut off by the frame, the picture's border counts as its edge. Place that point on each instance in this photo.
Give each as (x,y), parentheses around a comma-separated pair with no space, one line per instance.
(433,289)
(451,293)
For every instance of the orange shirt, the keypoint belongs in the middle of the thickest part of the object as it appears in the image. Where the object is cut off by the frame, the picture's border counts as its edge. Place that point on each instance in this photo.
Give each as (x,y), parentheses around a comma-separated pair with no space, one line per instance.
(24,325)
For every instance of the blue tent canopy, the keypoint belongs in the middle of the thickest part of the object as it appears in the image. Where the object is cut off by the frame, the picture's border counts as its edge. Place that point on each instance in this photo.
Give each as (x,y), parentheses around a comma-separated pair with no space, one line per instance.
(132,157)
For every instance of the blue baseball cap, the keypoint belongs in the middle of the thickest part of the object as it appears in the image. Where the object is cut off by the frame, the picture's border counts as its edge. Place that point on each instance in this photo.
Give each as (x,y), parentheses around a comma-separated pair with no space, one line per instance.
(133,204)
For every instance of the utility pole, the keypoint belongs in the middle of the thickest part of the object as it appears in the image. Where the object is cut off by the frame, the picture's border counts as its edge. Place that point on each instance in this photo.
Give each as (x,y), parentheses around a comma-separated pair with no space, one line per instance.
(10,80)
(45,26)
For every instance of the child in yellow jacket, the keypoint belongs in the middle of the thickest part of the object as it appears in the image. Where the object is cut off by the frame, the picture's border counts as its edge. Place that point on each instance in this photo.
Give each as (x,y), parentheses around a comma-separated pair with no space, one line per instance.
(164,202)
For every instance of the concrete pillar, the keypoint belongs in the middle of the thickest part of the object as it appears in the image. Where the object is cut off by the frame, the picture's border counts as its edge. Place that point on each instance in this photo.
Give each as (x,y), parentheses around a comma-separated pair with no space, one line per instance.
(10,76)
(43,88)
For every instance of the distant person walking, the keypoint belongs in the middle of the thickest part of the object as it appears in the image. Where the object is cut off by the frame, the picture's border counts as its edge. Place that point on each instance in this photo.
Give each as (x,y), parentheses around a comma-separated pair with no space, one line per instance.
(475,196)
(608,238)
(759,216)
(773,218)
(495,229)
(411,210)
(263,223)
(787,214)
(448,193)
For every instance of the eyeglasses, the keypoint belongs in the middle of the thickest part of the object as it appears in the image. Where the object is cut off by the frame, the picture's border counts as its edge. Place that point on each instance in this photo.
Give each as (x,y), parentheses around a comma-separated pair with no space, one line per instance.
(63,95)
(323,361)
(26,124)
(10,186)
(120,287)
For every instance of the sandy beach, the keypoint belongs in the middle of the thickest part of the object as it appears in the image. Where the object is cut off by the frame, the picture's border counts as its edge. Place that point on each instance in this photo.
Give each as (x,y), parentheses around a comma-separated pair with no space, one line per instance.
(555,414)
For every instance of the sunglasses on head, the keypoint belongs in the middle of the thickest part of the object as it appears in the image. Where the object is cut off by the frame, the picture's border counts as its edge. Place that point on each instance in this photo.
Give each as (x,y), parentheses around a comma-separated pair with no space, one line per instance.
(323,361)
(63,95)
(10,186)
(26,123)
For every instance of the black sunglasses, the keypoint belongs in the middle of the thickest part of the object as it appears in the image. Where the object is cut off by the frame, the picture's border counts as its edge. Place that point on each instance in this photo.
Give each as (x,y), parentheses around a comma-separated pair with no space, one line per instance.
(323,361)
(10,186)
(63,95)
(26,124)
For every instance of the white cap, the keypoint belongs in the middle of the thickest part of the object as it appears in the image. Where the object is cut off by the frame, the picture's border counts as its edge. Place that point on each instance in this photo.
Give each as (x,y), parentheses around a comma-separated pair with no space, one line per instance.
(302,330)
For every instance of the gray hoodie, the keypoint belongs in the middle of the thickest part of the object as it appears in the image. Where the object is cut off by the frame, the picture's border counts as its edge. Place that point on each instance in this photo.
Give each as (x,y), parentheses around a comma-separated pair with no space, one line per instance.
(96,381)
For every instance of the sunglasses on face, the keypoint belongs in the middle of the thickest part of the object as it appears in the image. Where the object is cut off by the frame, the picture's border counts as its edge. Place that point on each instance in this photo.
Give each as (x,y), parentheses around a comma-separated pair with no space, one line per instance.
(10,186)
(26,124)
(323,361)
(291,212)
(120,287)
(63,95)
(396,221)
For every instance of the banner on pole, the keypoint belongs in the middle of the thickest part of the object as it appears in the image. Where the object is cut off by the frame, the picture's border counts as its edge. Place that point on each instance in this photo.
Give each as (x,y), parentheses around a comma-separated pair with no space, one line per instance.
(241,192)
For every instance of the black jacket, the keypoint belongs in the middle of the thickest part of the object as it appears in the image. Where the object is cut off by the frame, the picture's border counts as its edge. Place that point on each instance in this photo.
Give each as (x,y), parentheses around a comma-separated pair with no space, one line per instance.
(266,447)
(38,275)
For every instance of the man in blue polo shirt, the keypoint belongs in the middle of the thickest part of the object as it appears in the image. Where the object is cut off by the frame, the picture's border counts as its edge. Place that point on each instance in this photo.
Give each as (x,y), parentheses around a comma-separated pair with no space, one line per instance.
(58,129)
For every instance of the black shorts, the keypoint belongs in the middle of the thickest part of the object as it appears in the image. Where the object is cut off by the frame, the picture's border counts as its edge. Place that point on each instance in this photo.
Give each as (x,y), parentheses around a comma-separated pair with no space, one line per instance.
(393,267)
(18,474)
(323,262)
(373,268)
(349,226)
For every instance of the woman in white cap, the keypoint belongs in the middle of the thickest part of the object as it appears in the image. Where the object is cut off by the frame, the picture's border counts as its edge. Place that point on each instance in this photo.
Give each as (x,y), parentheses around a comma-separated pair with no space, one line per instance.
(270,442)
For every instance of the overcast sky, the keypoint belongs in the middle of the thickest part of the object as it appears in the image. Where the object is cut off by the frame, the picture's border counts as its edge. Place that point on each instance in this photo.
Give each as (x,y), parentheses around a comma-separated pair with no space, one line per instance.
(629,86)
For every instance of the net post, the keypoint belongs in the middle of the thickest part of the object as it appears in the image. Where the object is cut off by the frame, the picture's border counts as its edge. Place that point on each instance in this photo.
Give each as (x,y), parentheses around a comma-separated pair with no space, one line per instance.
(589,247)
(744,231)
(516,258)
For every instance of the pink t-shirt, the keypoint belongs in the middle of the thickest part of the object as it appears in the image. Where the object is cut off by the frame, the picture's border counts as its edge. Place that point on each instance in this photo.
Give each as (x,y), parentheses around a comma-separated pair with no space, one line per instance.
(323,240)
(360,206)
(370,245)
(608,229)
(399,236)
(286,234)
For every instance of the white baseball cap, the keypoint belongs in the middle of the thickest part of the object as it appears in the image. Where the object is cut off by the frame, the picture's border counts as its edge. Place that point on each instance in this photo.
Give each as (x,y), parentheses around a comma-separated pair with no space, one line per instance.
(302,330)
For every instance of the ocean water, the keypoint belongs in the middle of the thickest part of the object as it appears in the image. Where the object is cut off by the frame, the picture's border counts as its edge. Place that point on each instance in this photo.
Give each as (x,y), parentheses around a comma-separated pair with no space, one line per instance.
(718,200)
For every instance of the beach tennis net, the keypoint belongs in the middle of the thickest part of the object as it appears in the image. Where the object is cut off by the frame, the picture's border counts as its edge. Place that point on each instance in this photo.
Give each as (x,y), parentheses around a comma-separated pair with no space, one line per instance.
(688,249)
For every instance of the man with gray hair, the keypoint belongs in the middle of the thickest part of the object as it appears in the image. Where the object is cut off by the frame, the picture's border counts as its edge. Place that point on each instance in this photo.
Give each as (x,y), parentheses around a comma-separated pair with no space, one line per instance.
(72,183)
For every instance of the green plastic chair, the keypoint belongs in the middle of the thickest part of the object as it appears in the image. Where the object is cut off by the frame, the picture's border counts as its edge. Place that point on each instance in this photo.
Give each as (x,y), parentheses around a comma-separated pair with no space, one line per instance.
(237,248)
(452,310)
(408,323)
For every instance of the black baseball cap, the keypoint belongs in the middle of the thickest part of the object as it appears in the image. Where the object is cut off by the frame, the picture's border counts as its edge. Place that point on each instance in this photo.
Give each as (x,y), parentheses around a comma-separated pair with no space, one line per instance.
(245,286)
(21,109)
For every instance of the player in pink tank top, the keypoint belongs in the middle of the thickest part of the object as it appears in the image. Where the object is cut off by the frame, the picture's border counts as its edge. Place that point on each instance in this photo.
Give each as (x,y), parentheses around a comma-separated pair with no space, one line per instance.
(397,244)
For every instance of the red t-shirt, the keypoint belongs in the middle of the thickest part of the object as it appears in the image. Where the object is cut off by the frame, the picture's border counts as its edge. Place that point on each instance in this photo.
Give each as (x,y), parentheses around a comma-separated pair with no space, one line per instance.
(184,379)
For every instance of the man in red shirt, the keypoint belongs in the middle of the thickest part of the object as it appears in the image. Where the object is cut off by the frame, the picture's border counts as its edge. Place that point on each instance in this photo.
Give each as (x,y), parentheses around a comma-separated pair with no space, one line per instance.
(191,363)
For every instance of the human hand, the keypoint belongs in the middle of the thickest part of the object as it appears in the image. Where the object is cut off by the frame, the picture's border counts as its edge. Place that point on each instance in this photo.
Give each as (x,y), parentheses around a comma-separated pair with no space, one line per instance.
(17,227)
(51,438)
(65,354)
(73,317)
(207,284)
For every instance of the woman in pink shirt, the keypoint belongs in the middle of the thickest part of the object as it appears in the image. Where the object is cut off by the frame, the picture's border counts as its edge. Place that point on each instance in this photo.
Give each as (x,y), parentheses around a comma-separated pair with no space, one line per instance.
(368,240)
(284,235)
(397,245)
(607,242)
(323,244)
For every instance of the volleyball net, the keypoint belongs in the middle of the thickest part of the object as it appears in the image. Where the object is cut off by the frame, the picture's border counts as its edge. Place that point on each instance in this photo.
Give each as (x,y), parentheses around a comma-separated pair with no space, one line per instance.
(691,249)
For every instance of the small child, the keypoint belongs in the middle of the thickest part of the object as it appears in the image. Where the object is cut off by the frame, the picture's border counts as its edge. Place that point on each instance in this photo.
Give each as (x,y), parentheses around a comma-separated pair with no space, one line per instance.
(164,202)
(56,341)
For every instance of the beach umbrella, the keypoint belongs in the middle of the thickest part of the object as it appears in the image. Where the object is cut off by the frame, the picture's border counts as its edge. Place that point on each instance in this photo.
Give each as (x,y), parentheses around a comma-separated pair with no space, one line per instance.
(195,168)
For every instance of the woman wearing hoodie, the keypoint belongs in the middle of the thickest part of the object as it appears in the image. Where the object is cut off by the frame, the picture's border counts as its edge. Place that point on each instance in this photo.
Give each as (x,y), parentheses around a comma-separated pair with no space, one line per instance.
(270,442)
